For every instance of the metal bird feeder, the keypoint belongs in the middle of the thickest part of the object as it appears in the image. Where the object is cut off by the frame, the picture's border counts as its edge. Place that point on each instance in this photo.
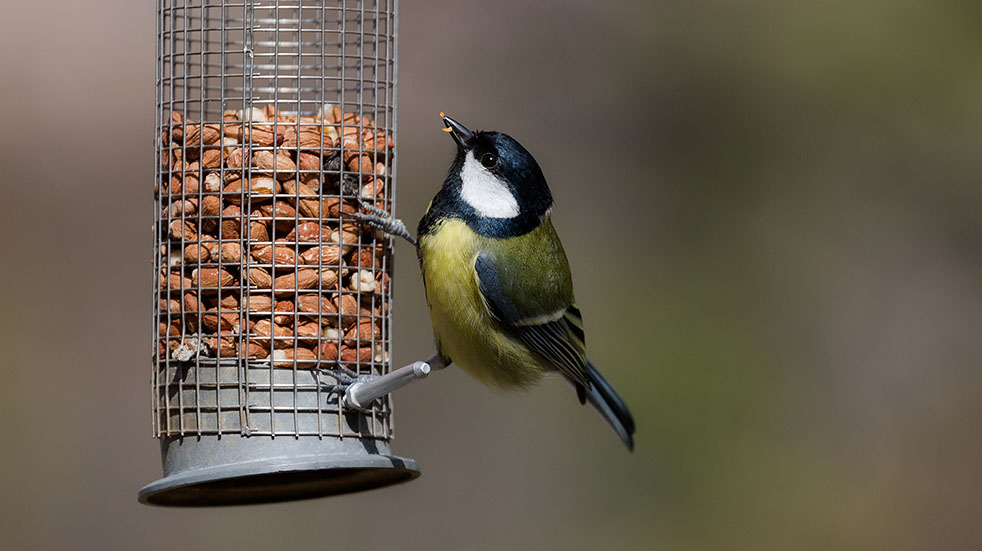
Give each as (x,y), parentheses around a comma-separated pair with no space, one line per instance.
(273,120)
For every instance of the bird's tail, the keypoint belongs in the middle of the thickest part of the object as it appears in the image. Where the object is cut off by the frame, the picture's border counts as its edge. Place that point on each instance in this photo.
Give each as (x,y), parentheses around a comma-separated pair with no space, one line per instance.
(605,400)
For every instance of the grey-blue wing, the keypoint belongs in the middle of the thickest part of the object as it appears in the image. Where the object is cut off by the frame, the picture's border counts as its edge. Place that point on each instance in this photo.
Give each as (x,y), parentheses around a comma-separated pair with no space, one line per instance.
(555,335)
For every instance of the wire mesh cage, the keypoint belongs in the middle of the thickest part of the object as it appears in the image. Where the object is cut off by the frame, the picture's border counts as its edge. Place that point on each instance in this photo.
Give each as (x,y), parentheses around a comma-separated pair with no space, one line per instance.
(273,120)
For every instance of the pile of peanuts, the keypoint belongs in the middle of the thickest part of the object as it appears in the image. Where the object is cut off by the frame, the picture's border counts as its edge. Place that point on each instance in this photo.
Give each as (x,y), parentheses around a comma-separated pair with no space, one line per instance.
(255,259)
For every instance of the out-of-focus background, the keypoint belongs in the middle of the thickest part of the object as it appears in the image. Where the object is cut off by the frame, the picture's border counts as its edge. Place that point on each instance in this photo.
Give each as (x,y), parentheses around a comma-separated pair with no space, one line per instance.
(773,214)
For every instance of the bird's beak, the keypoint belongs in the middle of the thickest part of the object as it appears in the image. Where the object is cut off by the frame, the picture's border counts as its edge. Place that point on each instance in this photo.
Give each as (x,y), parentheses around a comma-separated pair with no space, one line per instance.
(458,132)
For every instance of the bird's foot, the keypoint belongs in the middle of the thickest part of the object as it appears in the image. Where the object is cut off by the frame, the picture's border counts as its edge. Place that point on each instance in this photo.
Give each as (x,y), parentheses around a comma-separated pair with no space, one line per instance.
(342,377)
(382,220)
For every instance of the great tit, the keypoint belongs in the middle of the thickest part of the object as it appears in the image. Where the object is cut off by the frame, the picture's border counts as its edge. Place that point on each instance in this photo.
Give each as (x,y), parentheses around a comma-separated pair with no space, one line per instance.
(496,276)
(497,281)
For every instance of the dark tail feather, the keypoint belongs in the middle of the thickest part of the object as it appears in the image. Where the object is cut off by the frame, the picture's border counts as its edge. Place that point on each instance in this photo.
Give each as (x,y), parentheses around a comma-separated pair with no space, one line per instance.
(605,400)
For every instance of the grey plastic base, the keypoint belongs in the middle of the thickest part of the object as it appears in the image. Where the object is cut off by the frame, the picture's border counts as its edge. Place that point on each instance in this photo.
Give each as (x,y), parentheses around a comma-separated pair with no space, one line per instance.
(239,470)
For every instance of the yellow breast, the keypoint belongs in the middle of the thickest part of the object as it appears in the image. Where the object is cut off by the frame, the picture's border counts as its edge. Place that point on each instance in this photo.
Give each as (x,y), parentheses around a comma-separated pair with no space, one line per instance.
(464,329)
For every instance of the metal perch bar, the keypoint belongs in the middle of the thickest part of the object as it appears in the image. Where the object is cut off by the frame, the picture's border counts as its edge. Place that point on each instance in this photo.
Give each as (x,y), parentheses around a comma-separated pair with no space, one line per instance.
(363,392)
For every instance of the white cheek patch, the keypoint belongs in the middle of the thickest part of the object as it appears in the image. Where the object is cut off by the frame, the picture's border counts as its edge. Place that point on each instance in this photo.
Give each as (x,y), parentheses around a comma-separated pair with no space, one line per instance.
(485,192)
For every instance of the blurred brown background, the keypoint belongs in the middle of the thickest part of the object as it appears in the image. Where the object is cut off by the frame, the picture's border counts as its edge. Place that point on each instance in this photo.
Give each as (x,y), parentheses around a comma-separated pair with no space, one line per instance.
(774,218)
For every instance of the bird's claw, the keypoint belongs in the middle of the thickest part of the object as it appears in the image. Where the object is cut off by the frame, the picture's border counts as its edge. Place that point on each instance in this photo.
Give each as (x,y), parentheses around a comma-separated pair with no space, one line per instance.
(343,378)
(382,220)
(373,209)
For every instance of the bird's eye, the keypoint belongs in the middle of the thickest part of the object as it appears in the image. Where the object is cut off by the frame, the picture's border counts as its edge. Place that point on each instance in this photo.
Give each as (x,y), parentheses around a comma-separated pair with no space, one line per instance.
(489,160)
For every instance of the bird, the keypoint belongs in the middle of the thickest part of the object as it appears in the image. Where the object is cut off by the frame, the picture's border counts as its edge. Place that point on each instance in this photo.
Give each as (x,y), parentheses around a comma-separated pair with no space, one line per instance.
(497,279)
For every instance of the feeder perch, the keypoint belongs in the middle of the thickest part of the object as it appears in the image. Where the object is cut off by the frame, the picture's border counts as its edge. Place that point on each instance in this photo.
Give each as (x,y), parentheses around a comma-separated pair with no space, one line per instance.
(272,308)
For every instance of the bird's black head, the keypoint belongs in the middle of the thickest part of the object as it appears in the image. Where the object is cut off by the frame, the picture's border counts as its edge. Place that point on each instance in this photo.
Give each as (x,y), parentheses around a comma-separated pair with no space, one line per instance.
(494,184)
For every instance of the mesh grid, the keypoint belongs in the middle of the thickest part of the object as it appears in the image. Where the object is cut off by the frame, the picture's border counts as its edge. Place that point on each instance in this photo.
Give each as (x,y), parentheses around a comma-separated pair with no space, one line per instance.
(272,120)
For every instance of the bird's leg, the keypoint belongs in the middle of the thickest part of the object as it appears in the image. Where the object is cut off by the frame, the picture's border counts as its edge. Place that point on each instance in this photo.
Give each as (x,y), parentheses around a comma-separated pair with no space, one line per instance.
(380,219)
(361,393)
(438,361)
